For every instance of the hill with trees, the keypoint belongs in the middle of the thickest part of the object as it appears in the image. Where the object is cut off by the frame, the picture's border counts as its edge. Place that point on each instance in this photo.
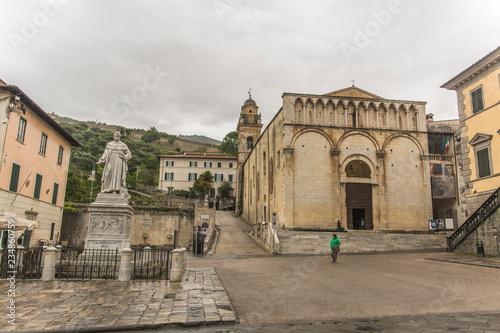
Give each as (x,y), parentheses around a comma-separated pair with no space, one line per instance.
(84,178)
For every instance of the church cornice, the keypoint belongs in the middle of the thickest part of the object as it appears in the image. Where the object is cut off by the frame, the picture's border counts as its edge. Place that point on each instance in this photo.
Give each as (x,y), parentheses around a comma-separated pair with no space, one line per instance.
(329,97)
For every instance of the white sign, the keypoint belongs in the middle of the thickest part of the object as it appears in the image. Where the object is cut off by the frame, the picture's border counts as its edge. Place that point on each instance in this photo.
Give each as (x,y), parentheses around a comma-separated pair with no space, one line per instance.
(104,245)
(205,216)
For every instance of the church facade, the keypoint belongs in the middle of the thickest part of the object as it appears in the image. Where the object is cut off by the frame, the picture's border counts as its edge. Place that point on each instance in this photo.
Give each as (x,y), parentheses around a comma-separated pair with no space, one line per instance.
(348,156)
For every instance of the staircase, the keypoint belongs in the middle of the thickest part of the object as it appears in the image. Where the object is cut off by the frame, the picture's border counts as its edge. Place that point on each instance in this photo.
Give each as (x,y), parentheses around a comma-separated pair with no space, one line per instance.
(474,221)
(314,242)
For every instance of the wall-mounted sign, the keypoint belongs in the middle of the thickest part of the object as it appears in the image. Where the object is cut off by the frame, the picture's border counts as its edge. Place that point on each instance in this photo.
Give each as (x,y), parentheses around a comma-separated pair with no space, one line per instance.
(204,216)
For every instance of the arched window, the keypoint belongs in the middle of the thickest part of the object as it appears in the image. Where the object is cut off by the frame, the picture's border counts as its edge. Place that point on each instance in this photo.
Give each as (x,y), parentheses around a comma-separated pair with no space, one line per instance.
(249,142)
(358,169)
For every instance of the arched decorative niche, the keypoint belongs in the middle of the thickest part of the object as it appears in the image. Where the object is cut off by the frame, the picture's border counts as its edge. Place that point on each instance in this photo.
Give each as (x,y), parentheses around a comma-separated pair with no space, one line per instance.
(358,169)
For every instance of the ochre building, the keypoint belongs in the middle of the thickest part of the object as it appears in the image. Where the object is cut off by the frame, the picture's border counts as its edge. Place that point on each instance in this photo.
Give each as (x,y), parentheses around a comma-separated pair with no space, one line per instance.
(35,153)
(348,156)
(478,97)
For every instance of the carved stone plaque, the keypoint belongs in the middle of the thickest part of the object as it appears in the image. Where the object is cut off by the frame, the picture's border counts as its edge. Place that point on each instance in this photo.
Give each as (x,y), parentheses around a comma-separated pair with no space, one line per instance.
(105,224)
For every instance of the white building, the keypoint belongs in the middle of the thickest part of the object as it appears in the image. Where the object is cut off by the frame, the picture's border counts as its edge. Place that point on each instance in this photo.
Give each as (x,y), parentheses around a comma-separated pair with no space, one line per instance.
(180,171)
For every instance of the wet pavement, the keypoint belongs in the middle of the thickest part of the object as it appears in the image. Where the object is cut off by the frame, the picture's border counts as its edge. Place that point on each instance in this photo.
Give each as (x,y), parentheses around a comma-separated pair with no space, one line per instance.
(243,289)
(99,305)
(492,262)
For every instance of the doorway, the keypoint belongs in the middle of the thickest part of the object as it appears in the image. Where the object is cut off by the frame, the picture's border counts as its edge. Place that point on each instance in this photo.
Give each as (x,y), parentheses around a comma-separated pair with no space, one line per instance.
(358,219)
(359,210)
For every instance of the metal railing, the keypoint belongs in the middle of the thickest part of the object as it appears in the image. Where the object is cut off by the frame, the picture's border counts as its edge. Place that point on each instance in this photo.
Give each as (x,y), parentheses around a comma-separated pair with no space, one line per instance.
(22,263)
(474,221)
(150,264)
(85,264)
(76,263)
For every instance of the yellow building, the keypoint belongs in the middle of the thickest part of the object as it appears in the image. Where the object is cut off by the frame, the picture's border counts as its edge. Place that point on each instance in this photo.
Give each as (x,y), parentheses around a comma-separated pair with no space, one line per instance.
(35,154)
(478,96)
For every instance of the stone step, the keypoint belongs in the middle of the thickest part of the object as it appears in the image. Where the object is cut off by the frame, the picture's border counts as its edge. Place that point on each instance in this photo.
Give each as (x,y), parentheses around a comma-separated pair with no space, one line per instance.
(304,242)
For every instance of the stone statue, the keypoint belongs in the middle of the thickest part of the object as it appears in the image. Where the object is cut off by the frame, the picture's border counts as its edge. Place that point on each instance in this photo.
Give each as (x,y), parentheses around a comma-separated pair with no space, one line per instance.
(115,159)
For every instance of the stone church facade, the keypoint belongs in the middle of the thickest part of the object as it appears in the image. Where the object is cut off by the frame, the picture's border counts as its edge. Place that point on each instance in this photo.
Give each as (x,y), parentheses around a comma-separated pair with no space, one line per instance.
(348,156)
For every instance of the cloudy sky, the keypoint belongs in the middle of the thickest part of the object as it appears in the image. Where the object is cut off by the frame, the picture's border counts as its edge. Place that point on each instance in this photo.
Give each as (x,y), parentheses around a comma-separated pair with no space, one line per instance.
(185,66)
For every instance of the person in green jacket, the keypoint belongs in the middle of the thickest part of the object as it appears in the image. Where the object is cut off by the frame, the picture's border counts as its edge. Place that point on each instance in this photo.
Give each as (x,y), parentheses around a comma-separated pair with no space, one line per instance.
(334,247)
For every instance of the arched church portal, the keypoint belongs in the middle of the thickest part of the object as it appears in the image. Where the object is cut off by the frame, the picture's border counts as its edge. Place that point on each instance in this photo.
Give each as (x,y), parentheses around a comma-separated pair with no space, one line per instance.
(358,197)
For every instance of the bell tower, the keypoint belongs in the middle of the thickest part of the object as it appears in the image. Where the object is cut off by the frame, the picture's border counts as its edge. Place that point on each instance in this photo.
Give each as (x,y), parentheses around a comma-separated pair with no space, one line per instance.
(249,126)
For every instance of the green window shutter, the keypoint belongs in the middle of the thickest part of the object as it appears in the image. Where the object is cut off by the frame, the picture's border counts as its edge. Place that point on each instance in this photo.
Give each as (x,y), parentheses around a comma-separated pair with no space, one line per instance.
(483,162)
(38,186)
(54,194)
(52,227)
(477,100)
(14,177)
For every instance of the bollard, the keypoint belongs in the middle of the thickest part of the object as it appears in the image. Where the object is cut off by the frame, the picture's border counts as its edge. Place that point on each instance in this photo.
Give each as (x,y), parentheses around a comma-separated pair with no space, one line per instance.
(59,251)
(49,268)
(178,264)
(126,265)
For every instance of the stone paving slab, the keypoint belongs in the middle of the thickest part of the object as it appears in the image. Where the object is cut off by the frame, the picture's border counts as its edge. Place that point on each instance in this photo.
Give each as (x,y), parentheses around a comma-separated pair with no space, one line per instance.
(71,305)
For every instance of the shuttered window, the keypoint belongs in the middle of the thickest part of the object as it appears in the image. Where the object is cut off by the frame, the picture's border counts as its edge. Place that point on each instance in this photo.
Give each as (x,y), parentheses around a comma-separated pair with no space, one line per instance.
(483,162)
(60,155)
(54,193)
(14,177)
(43,144)
(38,186)
(21,130)
(477,100)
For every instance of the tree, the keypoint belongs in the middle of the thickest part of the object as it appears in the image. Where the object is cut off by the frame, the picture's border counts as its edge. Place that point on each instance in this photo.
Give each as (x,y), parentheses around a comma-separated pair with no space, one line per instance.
(229,144)
(225,190)
(152,162)
(202,185)
(151,135)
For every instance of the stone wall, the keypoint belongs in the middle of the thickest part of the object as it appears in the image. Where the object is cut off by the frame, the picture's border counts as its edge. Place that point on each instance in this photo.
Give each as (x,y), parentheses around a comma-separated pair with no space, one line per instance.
(151,226)
(484,234)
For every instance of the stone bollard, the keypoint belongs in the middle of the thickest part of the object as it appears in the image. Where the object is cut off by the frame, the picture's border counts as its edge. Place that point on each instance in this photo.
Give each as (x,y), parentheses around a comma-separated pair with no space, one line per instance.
(49,267)
(126,265)
(178,264)
(59,252)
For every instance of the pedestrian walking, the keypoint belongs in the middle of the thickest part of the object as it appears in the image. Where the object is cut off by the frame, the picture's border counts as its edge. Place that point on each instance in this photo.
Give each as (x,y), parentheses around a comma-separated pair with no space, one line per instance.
(334,247)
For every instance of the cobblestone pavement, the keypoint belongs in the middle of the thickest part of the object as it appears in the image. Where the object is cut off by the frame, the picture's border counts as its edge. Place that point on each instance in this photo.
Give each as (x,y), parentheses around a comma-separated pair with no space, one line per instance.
(100,304)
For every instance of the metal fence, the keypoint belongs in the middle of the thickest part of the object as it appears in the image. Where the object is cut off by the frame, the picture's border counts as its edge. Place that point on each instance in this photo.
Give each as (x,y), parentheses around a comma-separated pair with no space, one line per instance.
(23,263)
(76,263)
(150,264)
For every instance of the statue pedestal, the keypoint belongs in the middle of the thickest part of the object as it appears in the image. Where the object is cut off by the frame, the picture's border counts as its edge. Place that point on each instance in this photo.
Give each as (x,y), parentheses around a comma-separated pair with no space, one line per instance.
(110,220)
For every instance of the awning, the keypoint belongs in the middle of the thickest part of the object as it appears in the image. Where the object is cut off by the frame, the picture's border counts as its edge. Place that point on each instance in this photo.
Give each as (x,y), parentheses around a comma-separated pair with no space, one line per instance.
(16,223)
